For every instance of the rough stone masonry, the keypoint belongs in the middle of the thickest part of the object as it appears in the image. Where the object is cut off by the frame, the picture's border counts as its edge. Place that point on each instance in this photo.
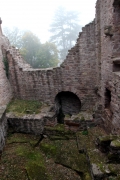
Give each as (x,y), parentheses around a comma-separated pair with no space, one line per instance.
(91,69)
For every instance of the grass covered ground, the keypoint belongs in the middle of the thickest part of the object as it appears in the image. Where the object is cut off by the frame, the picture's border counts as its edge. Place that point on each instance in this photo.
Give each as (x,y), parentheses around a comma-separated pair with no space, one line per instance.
(22,107)
(58,156)
(54,158)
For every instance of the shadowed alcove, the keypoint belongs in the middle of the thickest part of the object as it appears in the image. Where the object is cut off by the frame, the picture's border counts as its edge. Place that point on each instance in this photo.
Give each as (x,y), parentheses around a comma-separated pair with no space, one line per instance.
(107,98)
(66,103)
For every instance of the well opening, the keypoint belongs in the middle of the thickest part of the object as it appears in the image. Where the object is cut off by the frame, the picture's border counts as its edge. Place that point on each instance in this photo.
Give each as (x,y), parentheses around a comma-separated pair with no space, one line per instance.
(66,103)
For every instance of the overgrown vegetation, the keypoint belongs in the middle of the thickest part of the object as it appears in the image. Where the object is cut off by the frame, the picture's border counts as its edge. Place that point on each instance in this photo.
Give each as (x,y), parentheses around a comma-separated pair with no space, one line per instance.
(50,160)
(21,107)
(35,53)
(54,159)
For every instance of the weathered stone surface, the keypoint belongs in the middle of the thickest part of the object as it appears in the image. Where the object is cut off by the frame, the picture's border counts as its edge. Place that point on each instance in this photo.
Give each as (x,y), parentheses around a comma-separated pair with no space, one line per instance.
(91,69)
(33,124)
(115,144)
(97,173)
(3,128)
(45,84)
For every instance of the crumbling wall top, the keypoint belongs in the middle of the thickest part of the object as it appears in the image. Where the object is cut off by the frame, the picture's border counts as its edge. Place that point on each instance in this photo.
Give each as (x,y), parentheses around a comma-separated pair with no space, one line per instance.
(0,28)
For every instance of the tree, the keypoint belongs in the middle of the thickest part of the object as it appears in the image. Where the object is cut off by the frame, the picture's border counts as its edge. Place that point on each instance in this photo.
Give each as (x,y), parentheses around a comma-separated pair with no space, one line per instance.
(47,56)
(14,35)
(30,47)
(36,54)
(65,30)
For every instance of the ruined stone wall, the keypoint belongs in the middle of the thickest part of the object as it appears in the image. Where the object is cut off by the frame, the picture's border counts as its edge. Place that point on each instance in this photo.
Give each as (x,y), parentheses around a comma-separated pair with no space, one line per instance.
(5,88)
(108,56)
(3,128)
(91,69)
(76,74)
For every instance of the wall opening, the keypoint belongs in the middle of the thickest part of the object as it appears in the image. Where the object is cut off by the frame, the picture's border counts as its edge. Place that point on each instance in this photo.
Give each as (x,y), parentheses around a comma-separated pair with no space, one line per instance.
(116,66)
(107,98)
(66,103)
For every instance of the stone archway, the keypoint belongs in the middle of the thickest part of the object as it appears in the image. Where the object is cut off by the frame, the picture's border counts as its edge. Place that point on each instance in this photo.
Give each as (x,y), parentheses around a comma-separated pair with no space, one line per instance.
(68,103)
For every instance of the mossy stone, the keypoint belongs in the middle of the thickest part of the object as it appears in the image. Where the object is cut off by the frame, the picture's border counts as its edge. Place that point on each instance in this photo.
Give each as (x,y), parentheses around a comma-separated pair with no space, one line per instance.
(115,143)
(37,172)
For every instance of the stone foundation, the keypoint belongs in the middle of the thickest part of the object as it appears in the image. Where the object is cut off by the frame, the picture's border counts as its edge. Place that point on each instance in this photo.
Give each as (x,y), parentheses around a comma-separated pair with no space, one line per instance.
(31,124)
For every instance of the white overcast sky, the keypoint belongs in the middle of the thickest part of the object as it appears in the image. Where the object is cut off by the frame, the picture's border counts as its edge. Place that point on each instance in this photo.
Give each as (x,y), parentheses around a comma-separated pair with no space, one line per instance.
(36,15)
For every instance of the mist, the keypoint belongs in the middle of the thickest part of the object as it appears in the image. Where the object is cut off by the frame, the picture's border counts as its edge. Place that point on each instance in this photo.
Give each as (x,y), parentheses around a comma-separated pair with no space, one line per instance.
(37,15)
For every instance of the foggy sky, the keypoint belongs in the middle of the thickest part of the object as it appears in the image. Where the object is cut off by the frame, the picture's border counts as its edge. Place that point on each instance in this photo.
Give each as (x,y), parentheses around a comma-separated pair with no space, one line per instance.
(37,15)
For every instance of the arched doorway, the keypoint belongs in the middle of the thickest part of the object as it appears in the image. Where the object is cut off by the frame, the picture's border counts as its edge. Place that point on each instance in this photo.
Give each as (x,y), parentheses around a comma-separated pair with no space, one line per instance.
(66,103)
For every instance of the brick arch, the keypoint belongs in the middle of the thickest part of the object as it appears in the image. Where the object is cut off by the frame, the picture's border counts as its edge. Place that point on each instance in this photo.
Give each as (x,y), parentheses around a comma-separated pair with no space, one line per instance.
(67,102)
(68,89)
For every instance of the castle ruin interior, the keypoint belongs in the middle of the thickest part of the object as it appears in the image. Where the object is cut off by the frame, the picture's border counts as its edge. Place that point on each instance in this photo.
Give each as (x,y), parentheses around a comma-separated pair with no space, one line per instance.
(88,80)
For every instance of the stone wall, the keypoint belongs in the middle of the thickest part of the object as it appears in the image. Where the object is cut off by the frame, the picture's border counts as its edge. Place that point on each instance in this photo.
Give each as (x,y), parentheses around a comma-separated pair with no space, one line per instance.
(5,88)
(91,69)
(3,128)
(108,60)
(76,74)
(31,124)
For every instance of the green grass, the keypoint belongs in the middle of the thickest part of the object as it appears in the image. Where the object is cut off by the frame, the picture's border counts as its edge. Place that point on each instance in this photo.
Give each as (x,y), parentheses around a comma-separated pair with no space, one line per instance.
(85,132)
(22,138)
(21,107)
(23,159)
(50,150)
(47,161)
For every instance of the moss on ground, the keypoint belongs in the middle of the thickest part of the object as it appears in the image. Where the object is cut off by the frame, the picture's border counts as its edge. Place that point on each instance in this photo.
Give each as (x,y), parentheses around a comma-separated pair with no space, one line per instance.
(22,138)
(37,171)
(21,107)
(88,144)
(59,130)
(19,157)
(53,159)
(69,156)
(24,161)
(60,137)
(50,150)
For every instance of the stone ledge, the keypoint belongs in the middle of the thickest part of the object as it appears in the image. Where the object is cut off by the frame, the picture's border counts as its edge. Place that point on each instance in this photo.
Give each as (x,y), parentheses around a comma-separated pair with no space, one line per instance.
(2,110)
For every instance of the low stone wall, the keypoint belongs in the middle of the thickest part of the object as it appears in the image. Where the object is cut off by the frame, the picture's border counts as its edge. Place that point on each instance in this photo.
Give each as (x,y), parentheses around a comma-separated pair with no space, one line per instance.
(31,124)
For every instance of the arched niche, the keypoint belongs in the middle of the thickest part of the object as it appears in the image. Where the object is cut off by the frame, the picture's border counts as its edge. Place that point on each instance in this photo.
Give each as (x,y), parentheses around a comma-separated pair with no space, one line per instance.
(66,103)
